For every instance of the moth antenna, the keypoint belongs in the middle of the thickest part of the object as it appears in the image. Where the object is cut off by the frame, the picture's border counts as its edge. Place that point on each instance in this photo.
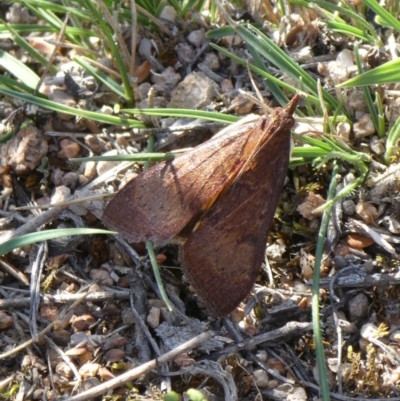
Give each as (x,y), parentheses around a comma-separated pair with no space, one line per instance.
(260,97)
(261,104)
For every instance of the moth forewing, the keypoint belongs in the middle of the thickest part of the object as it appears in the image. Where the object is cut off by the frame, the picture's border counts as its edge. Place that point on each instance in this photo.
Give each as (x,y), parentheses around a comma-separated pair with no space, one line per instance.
(162,200)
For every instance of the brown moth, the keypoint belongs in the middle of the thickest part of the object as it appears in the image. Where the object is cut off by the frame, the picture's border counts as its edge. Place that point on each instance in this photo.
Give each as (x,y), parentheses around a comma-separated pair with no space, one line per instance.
(218,201)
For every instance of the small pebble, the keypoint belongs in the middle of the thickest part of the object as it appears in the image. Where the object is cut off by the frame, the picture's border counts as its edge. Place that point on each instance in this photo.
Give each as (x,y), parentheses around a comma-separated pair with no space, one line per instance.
(197,37)
(102,276)
(196,91)
(242,105)
(89,370)
(364,127)
(343,129)
(64,370)
(307,262)
(90,383)
(358,307)
(61,194)
(262,355)
(6,321)
(311,202)
(358,241)
(356,100)
(96,144)
(69,149)
(104,166)
(153,318)
(24,152)
(377,145)
(298,394)
(349,207)
(211,60)
(395,336)
(367,211)
(185,52)
(261,378)
(105,374)
(90,170)
(115,341)
(83,322)
(70,179)
(113,355)
(226,86)
(168,13)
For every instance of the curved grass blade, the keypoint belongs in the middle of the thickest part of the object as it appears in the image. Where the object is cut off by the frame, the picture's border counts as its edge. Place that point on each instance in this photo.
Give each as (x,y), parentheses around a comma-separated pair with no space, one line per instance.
(184,113)
(39,236)
(386,18)
(18,69)
(102,77)
(393,138)
(384,74)
(114,120)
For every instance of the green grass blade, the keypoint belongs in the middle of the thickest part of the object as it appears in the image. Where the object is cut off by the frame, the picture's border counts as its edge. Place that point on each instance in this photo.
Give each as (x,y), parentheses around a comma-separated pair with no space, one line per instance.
(385,17)
(46,235)
(50,105)
(265,75)
(18,69)
(322,371)
(272,86)
(32,28)
(20,41)
(268,49)
(359,20)
(184,113)
(126,83)
(102,77)
(350,31)
(13,84)
(392,140)
(384,74)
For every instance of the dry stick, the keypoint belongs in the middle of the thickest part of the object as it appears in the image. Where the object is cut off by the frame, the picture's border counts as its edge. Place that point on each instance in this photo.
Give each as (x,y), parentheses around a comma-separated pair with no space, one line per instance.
(64,298)
(64,357)
(117,32)
(339,331)
(153,19)
(12,271)
(32,225)
(132,63)
(140,370)
(67,203)
(288,330)
(4,383)
(53,55)
(36,274)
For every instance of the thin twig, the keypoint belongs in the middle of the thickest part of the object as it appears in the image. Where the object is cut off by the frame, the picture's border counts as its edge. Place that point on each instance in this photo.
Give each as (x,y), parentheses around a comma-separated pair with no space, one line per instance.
(64,298)
(12,271)
(37,268)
